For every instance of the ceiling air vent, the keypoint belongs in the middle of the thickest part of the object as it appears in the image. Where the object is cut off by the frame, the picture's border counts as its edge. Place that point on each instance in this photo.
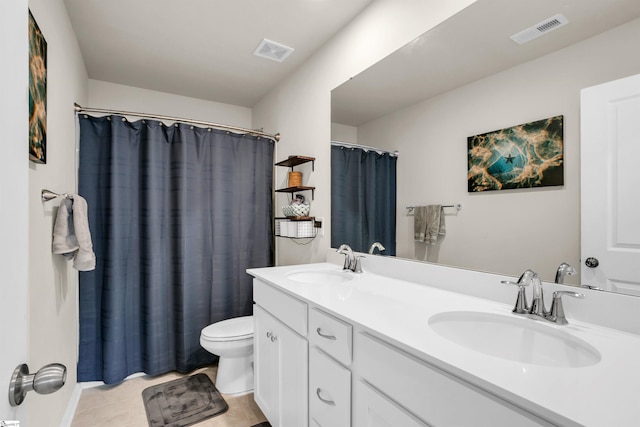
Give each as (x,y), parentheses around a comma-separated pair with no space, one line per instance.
(539,29)
(271,50)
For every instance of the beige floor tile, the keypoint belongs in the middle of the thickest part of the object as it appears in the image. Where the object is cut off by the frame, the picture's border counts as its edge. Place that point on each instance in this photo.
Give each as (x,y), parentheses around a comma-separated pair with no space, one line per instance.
(121,405)
(251,410)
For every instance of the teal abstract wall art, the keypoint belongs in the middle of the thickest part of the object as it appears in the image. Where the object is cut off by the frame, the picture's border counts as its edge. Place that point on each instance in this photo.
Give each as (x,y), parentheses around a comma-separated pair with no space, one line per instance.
(37,93)
(524,156)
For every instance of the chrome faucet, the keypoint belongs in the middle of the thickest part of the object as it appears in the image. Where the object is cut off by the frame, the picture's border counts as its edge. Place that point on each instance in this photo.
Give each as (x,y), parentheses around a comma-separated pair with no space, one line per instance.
(351,261)
(564,269)
(537,309)
(374,246)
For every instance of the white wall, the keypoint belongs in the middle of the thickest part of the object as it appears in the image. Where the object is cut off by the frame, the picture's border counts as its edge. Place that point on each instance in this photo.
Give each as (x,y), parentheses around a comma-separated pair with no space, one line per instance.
(53,283)
(344,133)
(127,98)
(502,231)
(300,107)
(14,174)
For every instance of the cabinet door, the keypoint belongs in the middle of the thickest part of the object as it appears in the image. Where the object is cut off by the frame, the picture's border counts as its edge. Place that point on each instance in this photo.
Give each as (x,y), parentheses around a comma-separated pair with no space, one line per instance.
(265,365)
(371,409)
(281,366)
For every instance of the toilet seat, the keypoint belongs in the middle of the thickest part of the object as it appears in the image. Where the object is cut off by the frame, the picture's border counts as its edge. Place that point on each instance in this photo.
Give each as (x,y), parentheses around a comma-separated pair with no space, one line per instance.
(237,328)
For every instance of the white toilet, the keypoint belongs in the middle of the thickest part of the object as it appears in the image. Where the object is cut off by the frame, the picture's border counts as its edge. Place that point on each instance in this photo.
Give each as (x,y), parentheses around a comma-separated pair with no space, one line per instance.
(232,340)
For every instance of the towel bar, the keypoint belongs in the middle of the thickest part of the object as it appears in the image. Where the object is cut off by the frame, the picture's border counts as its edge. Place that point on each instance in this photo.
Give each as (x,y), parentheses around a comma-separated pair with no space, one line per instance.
(458,206)
(50,195)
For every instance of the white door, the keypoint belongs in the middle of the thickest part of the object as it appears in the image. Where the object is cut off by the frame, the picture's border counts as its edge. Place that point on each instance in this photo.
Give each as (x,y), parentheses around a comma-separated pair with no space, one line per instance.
(610,185)
(14,176)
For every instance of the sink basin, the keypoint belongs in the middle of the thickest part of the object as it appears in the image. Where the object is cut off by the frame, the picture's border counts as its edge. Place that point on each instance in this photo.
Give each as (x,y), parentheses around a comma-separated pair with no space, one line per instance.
(514,338)
(319,277)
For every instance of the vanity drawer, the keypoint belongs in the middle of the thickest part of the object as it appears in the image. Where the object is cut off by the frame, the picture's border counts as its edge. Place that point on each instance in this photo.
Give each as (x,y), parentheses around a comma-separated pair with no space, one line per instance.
(289,310)
(331,335)
(372,409)
(433,395)
(329,391)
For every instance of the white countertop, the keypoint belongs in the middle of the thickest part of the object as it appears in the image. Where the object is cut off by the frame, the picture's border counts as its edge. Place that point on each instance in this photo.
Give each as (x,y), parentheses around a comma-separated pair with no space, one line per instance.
(606,394)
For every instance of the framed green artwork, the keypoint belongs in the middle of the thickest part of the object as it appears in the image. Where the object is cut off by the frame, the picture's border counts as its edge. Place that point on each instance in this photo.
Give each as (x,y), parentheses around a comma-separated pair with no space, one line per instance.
(524,156)
(37,93)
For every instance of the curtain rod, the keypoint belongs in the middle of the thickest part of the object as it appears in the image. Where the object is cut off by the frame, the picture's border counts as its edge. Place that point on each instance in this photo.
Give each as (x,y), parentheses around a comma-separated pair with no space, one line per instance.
(235,129)
(363,147)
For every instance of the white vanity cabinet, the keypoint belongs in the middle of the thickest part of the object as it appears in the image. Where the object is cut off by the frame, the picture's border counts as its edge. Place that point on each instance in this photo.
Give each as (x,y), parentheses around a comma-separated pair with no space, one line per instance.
(280,357)
(315,368)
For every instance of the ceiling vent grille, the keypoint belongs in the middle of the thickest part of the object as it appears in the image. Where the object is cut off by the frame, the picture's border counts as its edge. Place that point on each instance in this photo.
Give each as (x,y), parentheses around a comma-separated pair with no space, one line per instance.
(274,51)
(539,29)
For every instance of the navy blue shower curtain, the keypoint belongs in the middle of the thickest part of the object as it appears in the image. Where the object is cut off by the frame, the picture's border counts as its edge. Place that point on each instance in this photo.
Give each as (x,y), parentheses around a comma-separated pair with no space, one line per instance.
(177,214)
(363,199)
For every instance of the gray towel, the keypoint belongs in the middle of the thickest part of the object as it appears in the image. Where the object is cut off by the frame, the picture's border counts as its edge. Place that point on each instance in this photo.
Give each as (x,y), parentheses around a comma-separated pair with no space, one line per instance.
(429,224)
(419,223)
(71,235)
(64,236)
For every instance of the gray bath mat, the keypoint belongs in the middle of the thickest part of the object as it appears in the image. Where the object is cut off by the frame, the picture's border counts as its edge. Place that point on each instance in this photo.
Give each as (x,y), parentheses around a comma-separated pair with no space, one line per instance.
(182,402)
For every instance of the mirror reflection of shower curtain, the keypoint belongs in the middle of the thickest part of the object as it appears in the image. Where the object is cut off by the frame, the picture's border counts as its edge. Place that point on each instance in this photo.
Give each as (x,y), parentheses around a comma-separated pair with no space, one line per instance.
(363,198)
(177,214)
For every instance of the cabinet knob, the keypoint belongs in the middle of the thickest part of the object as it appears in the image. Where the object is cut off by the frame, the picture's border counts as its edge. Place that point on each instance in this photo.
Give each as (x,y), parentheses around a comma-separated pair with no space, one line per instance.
(269,334)
(325,401)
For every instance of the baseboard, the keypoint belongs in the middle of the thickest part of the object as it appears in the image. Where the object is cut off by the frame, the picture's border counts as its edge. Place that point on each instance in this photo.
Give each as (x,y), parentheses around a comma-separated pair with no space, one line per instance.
(70,412)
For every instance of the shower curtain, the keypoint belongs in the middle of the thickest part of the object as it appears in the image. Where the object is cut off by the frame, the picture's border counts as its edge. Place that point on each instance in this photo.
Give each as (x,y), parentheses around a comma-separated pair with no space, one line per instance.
(363,199)
(177,214)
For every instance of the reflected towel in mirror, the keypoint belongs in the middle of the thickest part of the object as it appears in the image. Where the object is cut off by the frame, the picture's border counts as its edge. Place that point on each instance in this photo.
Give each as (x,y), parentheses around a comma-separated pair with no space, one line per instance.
(429,223)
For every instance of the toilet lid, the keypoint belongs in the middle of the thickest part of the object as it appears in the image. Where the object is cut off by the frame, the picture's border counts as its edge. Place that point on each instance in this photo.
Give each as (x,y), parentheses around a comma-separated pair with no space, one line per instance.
(235,328)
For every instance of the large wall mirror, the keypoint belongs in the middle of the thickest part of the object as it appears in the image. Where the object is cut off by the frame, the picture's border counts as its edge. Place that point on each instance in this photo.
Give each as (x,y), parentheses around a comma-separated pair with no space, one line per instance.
(468,77)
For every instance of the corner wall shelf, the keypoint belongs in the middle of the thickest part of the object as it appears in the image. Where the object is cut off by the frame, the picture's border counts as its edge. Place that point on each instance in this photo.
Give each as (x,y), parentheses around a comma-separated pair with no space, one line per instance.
(291,162)
(296,189)
(297,160)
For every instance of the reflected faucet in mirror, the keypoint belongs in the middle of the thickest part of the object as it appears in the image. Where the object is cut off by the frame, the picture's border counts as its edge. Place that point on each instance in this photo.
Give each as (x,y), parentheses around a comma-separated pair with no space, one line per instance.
(374,246)
(351,261)
(563,270)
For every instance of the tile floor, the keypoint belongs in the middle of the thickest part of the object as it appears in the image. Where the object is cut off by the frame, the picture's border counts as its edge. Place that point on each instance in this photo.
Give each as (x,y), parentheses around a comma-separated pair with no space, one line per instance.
(121,405)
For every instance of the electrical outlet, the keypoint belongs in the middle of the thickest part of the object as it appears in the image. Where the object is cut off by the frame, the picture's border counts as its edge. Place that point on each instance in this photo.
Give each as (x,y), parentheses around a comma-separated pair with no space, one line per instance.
(320,219)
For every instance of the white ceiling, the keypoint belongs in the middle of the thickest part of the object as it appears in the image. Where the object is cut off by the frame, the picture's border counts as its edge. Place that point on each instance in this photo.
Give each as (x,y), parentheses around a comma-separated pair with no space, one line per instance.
(202,48)
(473,44)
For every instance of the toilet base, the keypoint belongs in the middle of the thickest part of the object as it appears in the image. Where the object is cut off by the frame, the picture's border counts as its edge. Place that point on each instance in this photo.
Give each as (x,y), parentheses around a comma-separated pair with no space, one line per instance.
(235,375)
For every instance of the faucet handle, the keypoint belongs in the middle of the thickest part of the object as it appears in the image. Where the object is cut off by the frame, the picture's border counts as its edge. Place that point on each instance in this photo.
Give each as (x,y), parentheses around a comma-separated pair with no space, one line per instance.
(521,306)
(557,310)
